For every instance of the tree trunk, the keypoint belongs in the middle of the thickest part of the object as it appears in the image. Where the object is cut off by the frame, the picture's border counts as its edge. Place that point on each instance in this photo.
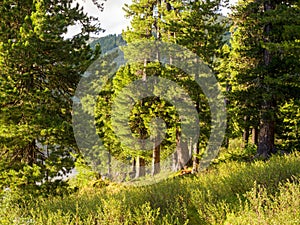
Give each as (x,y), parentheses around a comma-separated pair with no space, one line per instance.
(140,167)
(195,158)
(182,151)
(134,166)
(246,133)
(255,136)
(29,153)
(227,102)
(196,149)
(226,141)
(132,174)
(266,137)
(156,159)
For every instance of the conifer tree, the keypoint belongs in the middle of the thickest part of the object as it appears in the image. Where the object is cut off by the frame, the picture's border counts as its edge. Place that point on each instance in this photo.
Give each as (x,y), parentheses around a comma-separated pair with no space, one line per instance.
(145,22)
(200,27)
(40,69)
(264,63)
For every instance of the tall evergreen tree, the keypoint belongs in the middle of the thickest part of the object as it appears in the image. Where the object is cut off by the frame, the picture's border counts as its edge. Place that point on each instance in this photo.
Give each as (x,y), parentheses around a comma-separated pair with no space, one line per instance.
(264,62)
(145,20)
(39,73)
(200,27)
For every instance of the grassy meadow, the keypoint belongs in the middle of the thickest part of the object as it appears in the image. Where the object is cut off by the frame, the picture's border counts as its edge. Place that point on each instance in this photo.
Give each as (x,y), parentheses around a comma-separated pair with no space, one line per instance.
(235,189)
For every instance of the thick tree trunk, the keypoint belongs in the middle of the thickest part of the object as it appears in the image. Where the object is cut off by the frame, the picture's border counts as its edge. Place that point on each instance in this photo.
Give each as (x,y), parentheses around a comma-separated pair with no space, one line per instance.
(29,153)
(182,151)
(266,137)
(140,167)
(156,159)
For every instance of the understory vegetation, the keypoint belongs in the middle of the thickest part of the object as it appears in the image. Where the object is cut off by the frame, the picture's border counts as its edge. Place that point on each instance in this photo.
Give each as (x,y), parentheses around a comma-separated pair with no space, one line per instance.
(232,191)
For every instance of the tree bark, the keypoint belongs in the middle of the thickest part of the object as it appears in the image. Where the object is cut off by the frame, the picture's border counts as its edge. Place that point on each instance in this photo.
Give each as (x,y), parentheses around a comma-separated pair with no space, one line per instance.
(266,138)
(255,136)
(140,167)
(132,174)
(196,149)
(246,133)
(29,153)
(134,166)
(156,159)
(227,103)
(195,158)
(182,151)
(156,147)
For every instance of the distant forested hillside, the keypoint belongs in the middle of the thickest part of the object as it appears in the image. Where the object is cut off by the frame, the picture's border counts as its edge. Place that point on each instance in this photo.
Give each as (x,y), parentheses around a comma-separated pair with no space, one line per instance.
(108,42)
(112,41)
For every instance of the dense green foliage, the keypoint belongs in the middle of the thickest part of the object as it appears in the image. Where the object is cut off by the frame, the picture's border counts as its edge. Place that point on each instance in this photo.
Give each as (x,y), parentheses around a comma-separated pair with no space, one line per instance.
(261,70)
(155,20)
(39,73)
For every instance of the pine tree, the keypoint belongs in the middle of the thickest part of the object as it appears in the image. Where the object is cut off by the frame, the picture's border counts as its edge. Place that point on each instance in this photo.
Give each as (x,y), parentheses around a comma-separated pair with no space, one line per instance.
(200,27)
(145,22)
(265,63)
(39,73)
